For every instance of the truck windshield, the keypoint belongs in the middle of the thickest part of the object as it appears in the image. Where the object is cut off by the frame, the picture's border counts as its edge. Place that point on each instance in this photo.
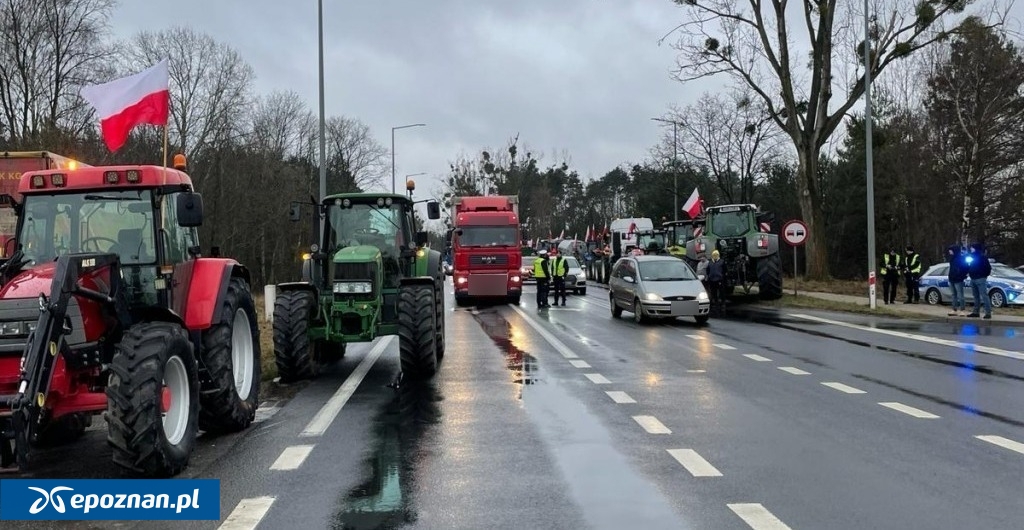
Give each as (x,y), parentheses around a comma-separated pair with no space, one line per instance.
(366,224)
(731,224)
(119,222)
(488,236)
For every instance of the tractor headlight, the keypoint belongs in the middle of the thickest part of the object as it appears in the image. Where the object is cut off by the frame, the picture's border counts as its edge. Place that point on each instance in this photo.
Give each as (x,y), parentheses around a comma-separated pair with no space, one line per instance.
(353,287)
(16,329)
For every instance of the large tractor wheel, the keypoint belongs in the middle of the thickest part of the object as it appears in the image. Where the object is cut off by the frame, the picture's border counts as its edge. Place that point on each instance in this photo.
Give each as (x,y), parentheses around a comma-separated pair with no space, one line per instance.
(417,331)
(769,277)
(231,354)
(439,314)
(153,400)
(293,352)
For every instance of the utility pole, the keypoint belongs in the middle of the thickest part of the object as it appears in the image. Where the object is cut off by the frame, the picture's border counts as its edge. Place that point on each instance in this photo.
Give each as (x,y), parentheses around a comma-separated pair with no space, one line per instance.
(867,152)
(675,164)
(323,122)
(393,129)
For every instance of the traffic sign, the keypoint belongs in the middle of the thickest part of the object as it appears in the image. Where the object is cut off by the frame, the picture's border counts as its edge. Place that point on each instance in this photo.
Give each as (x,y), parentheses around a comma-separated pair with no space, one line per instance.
(794,233)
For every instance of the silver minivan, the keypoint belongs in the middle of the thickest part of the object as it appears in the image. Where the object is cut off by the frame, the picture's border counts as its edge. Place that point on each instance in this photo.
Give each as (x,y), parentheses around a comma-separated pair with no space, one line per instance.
(657,287)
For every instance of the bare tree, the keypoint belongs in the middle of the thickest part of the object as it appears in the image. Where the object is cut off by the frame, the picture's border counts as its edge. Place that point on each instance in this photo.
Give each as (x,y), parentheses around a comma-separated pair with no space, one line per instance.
(210,84)
(754,42)
(354,155)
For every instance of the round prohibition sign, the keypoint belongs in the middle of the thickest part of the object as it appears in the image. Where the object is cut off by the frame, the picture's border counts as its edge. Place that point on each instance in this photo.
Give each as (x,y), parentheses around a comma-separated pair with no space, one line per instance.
(795,233)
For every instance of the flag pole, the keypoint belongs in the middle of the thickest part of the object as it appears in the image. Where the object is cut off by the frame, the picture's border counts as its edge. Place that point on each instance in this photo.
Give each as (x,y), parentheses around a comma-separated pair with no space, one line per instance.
(165,146)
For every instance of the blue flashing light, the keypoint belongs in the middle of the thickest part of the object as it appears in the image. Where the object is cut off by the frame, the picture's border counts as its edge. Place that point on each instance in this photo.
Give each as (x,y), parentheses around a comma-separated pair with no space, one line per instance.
(969,259)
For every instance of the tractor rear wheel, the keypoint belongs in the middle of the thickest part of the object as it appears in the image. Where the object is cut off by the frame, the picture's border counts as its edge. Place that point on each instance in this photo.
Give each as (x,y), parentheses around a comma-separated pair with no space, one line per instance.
(769,277)
(417,331)
(440,316)
(293,352)
(153,400)
(231,354)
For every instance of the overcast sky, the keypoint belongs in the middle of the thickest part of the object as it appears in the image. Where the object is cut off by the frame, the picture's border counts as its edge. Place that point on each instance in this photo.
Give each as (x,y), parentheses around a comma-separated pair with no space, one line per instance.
(576,76)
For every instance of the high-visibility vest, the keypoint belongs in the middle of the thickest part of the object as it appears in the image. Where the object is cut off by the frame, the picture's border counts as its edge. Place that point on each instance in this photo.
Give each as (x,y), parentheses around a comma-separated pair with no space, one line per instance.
(539,270)
(560,269)
(885,264)
(914,263)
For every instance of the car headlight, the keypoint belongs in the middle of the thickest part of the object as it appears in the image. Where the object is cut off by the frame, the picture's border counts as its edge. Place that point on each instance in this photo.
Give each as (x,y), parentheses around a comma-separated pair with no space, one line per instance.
(652,296)
(353,287)
(702,296)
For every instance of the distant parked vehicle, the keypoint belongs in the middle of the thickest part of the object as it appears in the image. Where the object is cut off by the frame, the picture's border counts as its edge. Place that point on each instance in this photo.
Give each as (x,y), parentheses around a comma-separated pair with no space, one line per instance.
(1005,286)
(576,277)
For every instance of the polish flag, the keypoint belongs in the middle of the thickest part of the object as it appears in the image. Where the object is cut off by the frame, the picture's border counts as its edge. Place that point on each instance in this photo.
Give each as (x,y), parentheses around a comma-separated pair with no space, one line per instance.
(632,228)
(123,104)
(693,204)
(561,236)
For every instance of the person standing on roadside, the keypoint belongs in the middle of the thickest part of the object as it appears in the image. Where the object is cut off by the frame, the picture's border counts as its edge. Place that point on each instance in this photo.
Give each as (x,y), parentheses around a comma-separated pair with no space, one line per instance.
(957,276)
(716,279)
(890,275)
(912,270)
(559,270)
(542,272)
(979,268)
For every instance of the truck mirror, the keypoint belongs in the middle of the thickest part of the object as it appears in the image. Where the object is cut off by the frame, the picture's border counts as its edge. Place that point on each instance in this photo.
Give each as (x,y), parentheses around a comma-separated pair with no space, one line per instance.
(433,210)
(422,238)
(294,214)
(190,209)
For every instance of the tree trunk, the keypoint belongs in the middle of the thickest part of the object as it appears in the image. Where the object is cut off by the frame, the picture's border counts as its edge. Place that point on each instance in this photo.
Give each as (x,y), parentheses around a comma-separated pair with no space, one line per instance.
(816,252)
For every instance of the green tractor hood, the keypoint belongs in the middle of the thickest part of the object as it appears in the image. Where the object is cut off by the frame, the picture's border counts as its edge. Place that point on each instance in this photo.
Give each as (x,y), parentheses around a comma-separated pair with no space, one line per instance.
(357,254)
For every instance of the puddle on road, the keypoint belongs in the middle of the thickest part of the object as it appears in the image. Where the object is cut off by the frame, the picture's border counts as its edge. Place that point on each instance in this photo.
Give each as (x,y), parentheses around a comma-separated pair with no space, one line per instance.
(522,364)
(384,500)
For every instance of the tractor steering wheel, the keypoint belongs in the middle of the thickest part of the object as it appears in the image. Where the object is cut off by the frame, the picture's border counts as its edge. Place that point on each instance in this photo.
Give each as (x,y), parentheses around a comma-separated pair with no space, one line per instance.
(94,242)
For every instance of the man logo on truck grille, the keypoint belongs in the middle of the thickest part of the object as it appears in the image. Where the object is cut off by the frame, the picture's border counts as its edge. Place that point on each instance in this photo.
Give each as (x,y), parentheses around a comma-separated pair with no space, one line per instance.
(489,259)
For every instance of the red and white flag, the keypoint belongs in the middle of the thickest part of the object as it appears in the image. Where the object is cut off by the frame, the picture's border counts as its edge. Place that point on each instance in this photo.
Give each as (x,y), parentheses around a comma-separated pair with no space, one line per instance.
(123,104)
(766,227)
(693,205)
(561,236)
(632,229)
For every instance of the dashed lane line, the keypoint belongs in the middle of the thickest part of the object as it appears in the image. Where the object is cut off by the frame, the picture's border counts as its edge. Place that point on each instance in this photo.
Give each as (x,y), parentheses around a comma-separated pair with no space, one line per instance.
(579,363)
(291,458)
(756,357)
(620,397)
(248,514)
(724,346)
(844,388)
(326,415)
(652,425)
(794,370)
(1005,443)
(695,337)
(696,371)
(757,516)
(694,463)
(598,379)
(552,340)
(923,338)
(908,410)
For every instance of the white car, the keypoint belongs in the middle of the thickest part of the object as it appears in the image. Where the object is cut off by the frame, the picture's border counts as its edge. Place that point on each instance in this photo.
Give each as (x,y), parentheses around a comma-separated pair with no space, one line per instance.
(576,277)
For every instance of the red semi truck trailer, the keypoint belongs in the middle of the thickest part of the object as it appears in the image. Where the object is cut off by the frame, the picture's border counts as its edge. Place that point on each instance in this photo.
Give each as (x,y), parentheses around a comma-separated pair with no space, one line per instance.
(485,246)
(12,165)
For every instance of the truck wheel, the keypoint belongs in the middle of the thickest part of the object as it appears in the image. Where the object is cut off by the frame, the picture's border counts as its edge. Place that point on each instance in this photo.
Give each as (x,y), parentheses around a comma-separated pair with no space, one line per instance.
(417,342)
(293,353)
(769,277)
(231,354)
(440,316)
(153,400)
(515,299)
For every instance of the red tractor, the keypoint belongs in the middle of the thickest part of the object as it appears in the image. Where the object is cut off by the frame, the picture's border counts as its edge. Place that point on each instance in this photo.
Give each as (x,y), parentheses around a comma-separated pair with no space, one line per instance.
(106,305)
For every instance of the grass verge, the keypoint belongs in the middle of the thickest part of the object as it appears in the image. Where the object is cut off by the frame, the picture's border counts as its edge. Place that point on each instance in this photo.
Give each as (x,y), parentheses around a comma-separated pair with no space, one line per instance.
(266,340)
(850,287)
(810,302)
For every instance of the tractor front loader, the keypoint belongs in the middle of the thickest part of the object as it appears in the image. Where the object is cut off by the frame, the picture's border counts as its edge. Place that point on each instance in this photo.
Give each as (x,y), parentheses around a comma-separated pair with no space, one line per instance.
(371,275)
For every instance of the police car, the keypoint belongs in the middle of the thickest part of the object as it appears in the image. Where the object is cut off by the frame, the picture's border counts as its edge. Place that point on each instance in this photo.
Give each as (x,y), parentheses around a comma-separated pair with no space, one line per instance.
(1005,286)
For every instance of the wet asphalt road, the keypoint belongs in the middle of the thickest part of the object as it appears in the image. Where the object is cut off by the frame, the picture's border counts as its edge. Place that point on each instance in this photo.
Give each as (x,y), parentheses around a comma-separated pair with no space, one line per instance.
(568,418)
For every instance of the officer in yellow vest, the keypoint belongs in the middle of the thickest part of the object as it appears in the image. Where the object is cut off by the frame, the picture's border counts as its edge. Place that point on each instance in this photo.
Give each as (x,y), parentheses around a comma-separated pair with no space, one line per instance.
(559,270)
(912,270)
(542,273)
(890,273)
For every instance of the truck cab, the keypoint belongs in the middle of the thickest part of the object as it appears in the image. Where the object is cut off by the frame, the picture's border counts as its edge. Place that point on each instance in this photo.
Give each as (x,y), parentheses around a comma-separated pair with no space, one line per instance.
(486,248)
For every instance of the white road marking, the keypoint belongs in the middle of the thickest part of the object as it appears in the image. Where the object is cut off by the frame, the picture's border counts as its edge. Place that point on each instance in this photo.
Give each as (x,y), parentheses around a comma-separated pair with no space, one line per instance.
(694,463)
(579,363)
(248,514)
(757,517)
(755,357)
(844,388)
(793,370)
(1005,443)
(908,410)
(266,411)
(620,397)
(695,336)
(552,340)
(291,458)
(652,425)
(598,379)
(325,416)
(943,342)
(696,371)
(724,346)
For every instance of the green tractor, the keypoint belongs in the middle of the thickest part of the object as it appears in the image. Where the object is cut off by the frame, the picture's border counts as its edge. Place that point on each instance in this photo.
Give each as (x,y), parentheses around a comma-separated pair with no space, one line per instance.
(680,232)
(740,233)
(371,275)
(653,242)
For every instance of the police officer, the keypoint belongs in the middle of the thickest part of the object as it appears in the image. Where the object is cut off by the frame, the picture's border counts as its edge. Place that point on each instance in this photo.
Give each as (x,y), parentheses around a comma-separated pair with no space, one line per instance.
(541,272)
(559,270)
(890,273)
(912,270)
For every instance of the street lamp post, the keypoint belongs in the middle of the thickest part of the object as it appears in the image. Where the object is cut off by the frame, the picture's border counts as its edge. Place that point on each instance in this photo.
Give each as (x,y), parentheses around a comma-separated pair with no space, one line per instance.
(393,129)
(868,156)
(323,126)
(675,164)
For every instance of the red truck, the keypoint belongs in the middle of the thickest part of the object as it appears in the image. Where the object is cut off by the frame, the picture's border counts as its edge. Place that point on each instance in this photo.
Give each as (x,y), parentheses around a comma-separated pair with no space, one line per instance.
(12,165)
(485,246)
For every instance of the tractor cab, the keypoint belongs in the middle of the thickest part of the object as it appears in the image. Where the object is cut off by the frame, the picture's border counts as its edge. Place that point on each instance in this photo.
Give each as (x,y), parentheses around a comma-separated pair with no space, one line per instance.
(652,242)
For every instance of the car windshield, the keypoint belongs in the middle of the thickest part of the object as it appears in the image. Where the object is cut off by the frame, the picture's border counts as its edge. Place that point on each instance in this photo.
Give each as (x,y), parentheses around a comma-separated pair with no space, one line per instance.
(368,224)
(731,224)
(119,222)
(488,236)
(1006,272)
(665,271)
